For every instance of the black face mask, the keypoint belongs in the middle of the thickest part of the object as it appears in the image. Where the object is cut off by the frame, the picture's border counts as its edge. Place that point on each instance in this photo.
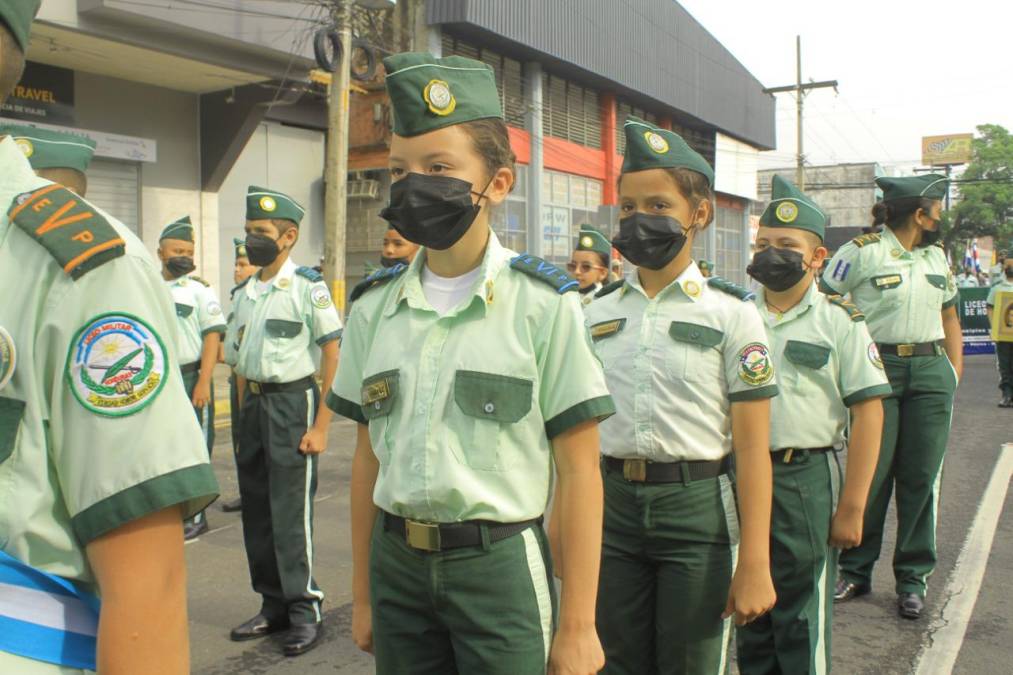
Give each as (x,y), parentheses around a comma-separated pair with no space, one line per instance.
(261,249)
(930,237)
(391,262)
(777,268)
(432,211)
(179,265)
(649,241)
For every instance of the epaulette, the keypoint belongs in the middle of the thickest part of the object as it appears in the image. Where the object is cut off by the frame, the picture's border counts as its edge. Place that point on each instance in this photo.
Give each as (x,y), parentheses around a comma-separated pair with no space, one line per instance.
(609,288)
(242,283)
(544,271)
(200,281)
(377,278)
(849,307)
(863,239)
(309,273)
(68,227)
(730,288)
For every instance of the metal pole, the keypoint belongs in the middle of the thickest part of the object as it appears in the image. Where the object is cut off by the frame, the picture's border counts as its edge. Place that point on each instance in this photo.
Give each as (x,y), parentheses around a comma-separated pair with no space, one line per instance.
(536,235)
(336,168)
(799,94)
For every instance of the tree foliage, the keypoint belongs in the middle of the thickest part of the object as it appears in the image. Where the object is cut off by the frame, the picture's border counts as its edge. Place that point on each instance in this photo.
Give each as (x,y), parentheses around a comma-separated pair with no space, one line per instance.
(986,192)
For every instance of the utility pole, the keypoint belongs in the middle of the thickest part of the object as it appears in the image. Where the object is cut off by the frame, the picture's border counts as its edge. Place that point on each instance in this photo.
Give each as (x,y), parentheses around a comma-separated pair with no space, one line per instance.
(800,91)
(336,166)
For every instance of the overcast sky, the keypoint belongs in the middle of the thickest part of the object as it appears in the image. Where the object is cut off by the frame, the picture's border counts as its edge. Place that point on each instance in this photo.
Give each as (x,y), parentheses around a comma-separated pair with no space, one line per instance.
(906,69)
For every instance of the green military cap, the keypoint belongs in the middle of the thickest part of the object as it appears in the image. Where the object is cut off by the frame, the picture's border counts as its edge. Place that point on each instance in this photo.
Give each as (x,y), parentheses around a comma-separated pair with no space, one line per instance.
(930,186)
(240,247)
(430,93)
(705,265)
(264,204)
(181,229)
(651,147)
(47,149)
(789,207)
(591,239)
(18,15)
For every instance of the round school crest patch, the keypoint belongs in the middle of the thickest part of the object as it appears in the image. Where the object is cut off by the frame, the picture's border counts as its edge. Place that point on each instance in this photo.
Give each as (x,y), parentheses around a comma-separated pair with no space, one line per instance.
(692,288)
(268,204)
(656,142)
(586,242)
(874,356)
(116,365)
(8,357)
(786,212)
(320,297)
(214,309)
(26,146)
(438,97)
(755,367)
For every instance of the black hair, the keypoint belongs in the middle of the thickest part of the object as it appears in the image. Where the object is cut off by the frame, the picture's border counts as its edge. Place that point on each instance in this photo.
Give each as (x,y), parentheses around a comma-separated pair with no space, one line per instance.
(895,213)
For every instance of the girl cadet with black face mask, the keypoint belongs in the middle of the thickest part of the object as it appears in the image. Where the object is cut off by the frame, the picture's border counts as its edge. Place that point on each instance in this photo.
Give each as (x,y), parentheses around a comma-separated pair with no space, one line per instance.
(904,286)
(469,372)
(687,362)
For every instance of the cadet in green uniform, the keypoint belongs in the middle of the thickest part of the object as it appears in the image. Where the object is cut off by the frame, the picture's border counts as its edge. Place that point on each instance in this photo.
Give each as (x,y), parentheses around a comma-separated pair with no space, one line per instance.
(902,283)
(967,279)
(282,315)
(589,263)
(396,249)
(471,377)
(826,362)
(1003,350)
(99,452)
(687,362)
(55,155)
(200,324)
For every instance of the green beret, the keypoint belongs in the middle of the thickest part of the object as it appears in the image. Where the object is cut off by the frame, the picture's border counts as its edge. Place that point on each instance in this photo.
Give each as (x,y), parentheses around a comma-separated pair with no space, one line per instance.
(264,204)
(428,93)
(47,149)
(789,207)
(591,239)
(651,147)
(181,229)
(240,247)
(930,186)
(18,15)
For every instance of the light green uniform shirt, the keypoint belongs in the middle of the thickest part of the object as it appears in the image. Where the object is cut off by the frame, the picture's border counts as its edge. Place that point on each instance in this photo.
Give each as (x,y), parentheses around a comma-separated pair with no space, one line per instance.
(274,334)
(966,281)
(198,313)
(674,364)
(462,407)
(1003,286)
(902,293)
(826,362)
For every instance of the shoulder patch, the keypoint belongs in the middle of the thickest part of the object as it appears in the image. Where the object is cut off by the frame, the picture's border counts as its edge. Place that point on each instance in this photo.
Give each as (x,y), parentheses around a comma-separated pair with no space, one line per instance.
(377,278)
(609,288)
(309,273)
(68,227)
(725,286)
(863,239)
(849,307)
(544,271)
(200,281)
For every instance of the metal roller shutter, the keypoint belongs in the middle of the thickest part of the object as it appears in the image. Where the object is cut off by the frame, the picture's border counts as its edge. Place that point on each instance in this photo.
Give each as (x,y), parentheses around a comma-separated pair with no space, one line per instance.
(114,187)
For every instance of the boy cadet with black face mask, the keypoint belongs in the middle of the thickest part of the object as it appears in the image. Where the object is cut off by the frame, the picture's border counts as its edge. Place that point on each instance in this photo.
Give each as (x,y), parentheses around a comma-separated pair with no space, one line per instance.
(828,367)
(280,313)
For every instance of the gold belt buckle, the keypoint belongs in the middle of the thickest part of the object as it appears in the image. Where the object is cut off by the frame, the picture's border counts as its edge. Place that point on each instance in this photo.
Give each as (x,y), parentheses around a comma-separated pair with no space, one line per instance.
(635,470)
(255,388)
(787,455)
(423,536)
(905,350)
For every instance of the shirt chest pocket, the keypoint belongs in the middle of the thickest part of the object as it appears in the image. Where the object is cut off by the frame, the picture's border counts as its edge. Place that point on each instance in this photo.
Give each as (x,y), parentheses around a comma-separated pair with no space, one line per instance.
(694,355)
(283,329)
(889,289)
(379,394)
(606,347)
(489,404)
(809,362)
(934,291)
(11,412)
(183,310)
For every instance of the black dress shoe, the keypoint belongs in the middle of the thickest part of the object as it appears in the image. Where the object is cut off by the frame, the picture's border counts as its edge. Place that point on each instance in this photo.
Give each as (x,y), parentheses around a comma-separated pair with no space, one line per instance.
(257,627)
(301,638)
(233,506)
(910,605)
(195,528)
(845,590)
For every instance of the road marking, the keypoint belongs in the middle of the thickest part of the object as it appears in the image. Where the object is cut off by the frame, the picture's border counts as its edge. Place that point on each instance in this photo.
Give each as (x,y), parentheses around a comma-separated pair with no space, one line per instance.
(946,634)
(209,533)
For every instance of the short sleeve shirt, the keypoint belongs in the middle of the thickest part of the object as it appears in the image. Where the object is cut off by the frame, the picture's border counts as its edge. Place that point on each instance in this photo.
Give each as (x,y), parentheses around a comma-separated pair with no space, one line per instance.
(198,313)
(275,334)
(1001,287)
(902,293)
(826,362)
(462,407)
(96,429)
(674,364)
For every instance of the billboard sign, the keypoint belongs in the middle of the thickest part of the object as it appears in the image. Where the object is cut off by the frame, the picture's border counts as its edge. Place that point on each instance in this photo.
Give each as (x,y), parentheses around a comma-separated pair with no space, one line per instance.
(944,150)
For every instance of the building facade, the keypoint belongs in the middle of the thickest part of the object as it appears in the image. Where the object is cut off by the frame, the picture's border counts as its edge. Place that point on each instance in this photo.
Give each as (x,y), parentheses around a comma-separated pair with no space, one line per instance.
(845,192)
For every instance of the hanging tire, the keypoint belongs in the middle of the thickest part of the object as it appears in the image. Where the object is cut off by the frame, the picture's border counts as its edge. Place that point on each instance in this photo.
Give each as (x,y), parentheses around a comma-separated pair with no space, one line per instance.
(324,39)
(371,61)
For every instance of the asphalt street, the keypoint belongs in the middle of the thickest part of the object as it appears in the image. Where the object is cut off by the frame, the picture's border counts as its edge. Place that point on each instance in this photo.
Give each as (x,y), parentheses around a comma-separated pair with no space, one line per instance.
(869,638)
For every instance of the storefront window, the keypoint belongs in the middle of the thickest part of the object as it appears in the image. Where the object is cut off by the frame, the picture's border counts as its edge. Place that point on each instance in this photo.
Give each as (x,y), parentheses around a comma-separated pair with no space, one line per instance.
(731,244)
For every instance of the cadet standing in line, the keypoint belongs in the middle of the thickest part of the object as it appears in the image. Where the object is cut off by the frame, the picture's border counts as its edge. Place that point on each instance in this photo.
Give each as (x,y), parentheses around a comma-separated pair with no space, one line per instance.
(396,249)
(995,272)
(55,155)
(826,362)
(470,374)
(1003,350)
(967,279)
(282,314)
(201,325)
(901,282)
(589,264)
(100,456)
(687,362)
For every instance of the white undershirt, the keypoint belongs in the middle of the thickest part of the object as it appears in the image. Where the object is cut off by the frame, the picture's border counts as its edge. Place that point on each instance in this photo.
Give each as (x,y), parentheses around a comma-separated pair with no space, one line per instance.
(445,293)
(263,286)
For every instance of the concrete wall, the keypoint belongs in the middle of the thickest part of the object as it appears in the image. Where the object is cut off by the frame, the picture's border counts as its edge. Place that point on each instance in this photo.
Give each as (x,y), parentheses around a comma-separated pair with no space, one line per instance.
(845,192)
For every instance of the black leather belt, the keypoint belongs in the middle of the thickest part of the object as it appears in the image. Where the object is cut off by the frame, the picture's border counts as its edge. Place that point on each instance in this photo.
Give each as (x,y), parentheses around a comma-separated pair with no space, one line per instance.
(913,349)
(445,536)
(188,368)
(258,388)
(644,471)
(796,455)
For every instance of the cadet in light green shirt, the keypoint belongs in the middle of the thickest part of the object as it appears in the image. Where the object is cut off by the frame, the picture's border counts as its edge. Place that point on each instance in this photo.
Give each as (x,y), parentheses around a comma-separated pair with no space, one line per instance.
(589,263)
(1003,348)
(827,366)
(55,155)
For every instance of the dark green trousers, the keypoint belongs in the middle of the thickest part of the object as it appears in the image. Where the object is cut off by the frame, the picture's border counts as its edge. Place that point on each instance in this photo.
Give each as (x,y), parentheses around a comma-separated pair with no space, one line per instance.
(794,637)
(234,412)
(487,609)
(1004,362)
(916,428)
(205,417)
(277,484)
(668,555)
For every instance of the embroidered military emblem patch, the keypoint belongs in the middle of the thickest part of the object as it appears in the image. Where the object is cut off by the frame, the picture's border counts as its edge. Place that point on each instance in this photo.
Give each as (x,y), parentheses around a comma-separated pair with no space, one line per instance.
(656,142)
(438,97)
(25,146)
(116,365)
(755,367)
(320,297)
(786,212)
(268,204)
(214,309)
(8,357)
(874,356)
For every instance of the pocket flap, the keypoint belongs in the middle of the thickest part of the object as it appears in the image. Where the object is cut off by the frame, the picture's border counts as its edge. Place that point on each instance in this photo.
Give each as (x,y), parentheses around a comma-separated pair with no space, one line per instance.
(705,336)
(11,411)
(806,354)
(885,282)
(604,329)
(283,328)
(183,310)
(493,397)
(378,393)
(937,280)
